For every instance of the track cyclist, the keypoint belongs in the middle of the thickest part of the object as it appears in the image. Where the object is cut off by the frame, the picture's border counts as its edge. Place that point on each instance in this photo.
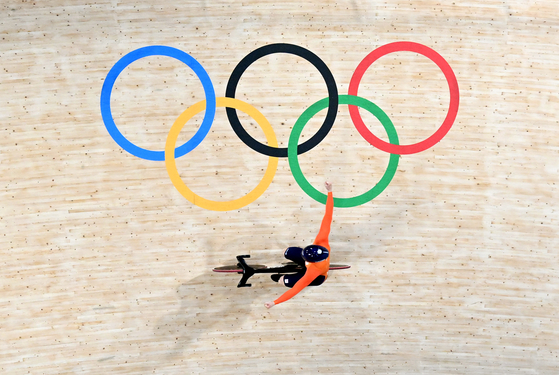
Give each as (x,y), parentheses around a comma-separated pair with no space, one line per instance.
(314,258)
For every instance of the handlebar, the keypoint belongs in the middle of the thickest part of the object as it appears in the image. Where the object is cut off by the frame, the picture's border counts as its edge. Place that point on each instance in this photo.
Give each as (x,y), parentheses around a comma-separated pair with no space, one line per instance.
(248,271)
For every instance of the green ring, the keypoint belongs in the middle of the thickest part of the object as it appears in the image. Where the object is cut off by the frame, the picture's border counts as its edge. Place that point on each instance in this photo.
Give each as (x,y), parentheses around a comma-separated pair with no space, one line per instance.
(294,161)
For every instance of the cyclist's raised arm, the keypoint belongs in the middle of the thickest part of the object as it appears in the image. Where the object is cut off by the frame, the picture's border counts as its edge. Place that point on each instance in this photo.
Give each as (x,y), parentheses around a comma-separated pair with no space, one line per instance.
(322,237)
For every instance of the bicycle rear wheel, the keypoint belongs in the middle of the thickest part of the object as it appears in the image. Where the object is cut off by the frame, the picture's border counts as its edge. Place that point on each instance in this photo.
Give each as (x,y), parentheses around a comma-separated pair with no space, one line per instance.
(339,267)
(332,266)
(237,269)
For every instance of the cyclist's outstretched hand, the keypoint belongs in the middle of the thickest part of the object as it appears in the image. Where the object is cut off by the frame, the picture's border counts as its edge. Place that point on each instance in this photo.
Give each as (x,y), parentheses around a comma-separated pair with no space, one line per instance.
(269,304)
(328,186)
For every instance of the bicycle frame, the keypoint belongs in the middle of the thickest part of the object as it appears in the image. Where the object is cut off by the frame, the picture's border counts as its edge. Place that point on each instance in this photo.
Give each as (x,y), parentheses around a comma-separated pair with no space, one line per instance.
(248,271)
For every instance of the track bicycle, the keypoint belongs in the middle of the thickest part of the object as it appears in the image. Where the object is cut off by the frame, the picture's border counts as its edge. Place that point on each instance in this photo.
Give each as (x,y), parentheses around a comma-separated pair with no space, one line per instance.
(249,270)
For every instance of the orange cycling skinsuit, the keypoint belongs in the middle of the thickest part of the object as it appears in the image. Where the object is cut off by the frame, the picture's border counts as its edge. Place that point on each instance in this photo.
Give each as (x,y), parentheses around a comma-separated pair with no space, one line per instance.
(317,272)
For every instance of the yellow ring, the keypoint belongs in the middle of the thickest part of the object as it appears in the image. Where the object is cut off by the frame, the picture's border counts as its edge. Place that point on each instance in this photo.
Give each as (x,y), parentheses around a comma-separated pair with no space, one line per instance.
(179,184)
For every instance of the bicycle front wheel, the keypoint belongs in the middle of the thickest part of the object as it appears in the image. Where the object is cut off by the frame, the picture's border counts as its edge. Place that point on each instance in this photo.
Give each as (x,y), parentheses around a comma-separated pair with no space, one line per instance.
(237,269)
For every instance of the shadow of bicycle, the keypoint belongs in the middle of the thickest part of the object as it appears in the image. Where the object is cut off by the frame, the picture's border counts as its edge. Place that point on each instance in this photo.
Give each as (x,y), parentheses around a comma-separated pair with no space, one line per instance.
(209,307)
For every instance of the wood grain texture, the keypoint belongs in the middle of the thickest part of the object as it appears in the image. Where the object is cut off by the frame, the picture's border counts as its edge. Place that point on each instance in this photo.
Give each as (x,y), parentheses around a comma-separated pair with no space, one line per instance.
(106,268)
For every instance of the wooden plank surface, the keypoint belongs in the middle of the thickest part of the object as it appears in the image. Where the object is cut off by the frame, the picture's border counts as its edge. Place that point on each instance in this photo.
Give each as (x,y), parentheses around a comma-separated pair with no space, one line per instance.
(106,268)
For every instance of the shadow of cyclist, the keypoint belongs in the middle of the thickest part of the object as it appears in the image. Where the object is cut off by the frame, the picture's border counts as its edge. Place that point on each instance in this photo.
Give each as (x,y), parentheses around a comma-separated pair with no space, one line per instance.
(207,305)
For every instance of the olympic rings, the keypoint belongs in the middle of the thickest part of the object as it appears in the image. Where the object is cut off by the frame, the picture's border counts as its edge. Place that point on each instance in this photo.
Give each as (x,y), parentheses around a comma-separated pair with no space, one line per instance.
(189,194)
(452,109)
(272,150)
(294,162)
(153,51)
(318,64)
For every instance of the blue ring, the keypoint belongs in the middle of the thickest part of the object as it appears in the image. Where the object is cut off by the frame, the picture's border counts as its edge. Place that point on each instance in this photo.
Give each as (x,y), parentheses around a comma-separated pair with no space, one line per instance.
(160,51)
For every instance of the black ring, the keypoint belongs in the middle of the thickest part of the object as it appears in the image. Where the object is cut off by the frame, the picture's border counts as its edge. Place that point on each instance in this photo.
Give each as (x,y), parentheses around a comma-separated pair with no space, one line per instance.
(318,64)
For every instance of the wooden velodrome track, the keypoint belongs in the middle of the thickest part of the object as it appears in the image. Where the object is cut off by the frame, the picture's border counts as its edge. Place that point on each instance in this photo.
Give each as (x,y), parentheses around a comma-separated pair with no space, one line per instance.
(106,267)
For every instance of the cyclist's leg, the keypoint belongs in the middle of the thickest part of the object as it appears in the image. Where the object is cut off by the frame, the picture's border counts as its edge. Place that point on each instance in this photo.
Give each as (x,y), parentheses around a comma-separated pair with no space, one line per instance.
(291,279)
(318,281)
(295,254)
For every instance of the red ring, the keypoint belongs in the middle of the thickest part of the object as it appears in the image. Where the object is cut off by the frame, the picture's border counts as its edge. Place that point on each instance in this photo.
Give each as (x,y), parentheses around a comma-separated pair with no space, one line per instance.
(452,108)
